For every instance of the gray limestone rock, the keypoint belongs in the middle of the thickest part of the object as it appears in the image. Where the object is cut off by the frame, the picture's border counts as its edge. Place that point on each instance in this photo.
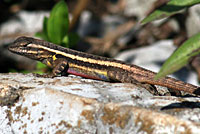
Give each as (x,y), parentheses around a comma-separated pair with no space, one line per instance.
(74,105)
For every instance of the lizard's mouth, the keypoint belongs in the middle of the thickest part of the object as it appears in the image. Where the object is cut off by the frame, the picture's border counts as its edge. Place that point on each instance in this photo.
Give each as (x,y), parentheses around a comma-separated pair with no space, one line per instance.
(19,46)
(16,49)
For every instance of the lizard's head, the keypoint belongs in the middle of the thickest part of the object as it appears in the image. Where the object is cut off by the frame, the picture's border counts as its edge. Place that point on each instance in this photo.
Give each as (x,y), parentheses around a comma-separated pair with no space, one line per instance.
(20,45)
(29,47)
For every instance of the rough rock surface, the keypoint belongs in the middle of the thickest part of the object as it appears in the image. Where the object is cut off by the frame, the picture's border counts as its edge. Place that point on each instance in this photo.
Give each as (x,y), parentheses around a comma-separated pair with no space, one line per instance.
(31,104)
(192,22)
(139,8)
(24,23)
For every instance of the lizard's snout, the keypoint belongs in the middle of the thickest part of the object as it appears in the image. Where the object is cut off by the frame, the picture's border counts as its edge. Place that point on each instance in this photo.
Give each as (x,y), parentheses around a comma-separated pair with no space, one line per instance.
(19,44)
(12,48)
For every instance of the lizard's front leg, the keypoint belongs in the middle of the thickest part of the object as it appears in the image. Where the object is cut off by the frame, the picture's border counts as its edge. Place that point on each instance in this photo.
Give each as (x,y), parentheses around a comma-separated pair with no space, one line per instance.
(60,67)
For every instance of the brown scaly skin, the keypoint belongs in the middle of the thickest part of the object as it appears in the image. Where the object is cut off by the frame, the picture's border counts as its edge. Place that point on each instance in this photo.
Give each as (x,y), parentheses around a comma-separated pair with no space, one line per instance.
(65,60)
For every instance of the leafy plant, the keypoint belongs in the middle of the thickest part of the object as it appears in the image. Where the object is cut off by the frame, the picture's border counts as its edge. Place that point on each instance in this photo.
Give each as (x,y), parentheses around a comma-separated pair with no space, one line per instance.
(171,8)
(181,56)
(188,49)
(55,29)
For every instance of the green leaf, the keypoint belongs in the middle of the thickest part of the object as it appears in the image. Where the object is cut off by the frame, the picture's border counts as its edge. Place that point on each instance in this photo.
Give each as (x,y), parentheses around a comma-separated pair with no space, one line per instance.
(73,39)
(40,66)
(12,70)
(43,35)
(181,56)
(25,71)
(58,23)
(45,21)
(65,42)
(70,40)
(171,8)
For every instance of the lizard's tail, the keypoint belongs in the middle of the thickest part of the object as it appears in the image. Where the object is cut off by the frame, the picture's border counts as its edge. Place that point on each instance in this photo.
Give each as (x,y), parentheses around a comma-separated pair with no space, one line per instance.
(137,74)
(167,82)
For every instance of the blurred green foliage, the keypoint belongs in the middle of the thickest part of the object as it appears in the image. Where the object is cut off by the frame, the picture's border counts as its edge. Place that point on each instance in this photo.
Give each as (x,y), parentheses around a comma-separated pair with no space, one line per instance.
(188,49)
(55,30)
(170,8)
(56,27)
(181,56)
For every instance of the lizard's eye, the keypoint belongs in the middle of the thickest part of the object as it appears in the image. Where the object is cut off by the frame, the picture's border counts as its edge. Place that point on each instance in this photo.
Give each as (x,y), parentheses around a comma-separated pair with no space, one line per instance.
(25,44)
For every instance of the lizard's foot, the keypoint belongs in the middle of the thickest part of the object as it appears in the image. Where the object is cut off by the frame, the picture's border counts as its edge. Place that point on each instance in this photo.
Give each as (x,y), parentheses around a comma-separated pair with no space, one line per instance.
(44,75)
(151,88)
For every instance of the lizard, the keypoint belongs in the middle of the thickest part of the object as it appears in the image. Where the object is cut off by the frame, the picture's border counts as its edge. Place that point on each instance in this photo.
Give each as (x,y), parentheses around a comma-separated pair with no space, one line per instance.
(65,61)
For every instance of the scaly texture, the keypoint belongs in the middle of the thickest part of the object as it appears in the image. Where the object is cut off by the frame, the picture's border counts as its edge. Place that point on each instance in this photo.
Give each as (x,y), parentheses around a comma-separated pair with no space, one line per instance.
(65,60)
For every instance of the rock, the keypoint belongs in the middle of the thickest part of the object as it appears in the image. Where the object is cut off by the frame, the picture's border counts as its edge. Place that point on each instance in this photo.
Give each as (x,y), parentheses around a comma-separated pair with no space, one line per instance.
(24,23)
(75,105)
(193,20)
(138,8)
